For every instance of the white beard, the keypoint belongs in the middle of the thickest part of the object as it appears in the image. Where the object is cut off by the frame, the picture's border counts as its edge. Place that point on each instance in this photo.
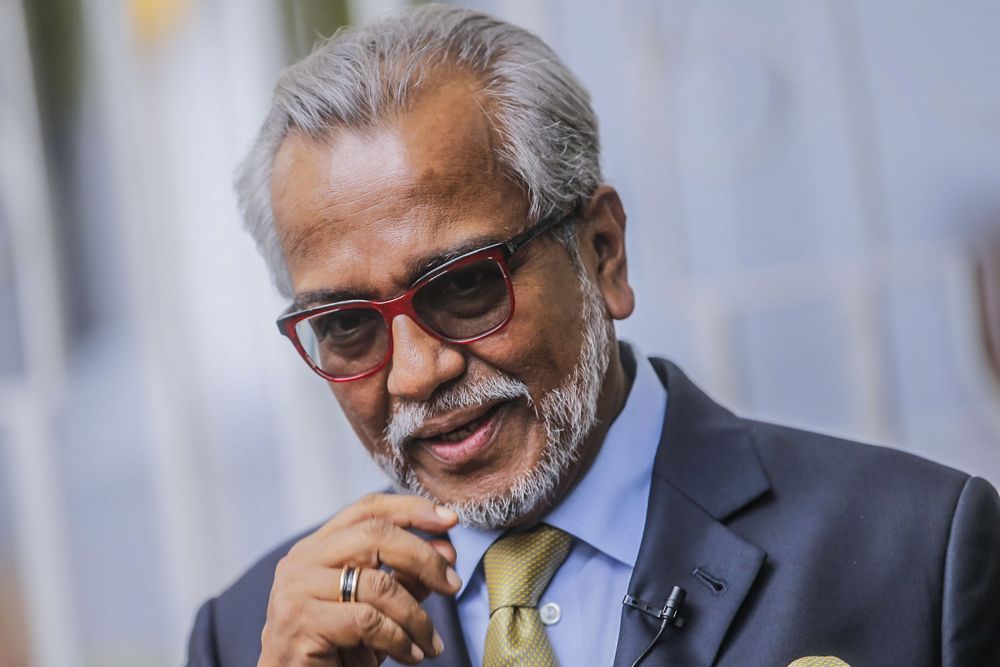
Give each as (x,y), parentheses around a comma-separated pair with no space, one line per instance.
(569,413)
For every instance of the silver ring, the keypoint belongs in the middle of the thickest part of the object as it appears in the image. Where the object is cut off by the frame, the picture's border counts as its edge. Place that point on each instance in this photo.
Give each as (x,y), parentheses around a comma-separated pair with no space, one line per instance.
(349,584)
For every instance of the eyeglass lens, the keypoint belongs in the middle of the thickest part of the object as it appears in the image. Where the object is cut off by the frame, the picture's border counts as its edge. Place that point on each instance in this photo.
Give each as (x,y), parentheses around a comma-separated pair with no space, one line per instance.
(459,305)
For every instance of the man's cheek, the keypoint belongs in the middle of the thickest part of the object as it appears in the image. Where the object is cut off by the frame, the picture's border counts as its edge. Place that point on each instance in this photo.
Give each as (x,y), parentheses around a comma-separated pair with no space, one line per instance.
(369,425)
(513,351)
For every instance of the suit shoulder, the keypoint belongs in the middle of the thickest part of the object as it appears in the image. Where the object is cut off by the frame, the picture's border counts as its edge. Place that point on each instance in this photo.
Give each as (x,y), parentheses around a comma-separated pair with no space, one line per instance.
(239,612)
(255,582)
(789,454)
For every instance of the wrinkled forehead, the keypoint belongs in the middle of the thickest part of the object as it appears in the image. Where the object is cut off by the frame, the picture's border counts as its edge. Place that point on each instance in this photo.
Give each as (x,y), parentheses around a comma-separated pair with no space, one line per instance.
(360,202)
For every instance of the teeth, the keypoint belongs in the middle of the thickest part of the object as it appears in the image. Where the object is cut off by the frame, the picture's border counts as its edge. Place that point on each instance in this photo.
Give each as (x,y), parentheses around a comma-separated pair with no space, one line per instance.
(461,433)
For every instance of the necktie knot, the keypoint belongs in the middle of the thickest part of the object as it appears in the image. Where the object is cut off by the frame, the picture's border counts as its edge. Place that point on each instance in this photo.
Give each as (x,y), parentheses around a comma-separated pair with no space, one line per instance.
(519,567)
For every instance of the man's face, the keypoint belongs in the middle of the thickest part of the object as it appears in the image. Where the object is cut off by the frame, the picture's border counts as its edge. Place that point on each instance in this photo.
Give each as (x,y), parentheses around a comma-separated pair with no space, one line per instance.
(361,215)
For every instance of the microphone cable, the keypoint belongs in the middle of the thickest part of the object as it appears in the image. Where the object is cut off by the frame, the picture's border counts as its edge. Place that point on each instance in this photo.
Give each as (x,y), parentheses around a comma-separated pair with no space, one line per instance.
(668,615)
(649,649)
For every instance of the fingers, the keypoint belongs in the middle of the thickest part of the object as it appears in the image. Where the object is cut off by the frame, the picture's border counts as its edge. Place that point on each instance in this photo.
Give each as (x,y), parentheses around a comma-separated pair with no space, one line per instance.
(374,517)
(321,627)
(405,511)
(417,589)
(308,624)
(413,585)
(367,625)
(384,592)
(445,548)
(359,657)
(376,542)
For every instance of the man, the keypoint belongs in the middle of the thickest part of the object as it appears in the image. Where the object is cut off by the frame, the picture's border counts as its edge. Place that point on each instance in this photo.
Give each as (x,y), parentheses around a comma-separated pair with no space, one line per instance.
(426,190)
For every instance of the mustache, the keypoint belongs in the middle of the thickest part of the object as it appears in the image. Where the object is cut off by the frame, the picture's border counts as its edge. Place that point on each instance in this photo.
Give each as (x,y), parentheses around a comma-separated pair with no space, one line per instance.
(408,417)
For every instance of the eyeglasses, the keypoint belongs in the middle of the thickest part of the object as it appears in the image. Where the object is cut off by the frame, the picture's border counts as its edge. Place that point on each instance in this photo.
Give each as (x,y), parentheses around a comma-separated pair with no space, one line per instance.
(461,301)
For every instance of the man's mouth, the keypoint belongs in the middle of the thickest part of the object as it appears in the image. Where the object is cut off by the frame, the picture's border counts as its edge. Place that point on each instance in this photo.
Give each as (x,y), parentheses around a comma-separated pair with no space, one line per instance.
(456,442)
(464,432)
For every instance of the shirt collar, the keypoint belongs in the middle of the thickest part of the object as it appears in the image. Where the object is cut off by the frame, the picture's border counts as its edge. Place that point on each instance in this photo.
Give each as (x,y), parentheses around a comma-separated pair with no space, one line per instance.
(620,476)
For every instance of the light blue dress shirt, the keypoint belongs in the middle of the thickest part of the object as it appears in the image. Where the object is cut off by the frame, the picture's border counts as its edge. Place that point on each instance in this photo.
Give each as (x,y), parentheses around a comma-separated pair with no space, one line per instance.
(605,512)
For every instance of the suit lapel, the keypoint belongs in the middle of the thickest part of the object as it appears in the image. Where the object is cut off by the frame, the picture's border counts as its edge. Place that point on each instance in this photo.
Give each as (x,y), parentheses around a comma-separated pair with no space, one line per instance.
(444,612)
(706,469)
(690,539)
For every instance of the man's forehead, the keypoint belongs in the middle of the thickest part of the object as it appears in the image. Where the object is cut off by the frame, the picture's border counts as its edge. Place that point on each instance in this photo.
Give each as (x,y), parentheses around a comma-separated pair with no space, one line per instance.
(375,199)
(386,206)
(383,158)
(445,140)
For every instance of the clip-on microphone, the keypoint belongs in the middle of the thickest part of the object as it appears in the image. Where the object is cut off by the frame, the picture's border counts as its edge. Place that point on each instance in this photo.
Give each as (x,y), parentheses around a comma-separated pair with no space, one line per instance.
(668,615)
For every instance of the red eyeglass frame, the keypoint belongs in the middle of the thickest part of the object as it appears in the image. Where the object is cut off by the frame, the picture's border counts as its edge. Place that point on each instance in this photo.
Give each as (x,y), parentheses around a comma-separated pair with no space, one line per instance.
(500,253)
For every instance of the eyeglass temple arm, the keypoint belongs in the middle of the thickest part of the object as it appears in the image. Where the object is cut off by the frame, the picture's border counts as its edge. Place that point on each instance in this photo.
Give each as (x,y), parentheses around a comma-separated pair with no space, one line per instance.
(529,235)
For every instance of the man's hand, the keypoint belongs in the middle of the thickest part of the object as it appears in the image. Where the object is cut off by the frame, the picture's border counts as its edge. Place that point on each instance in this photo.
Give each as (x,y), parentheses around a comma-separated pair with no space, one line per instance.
(306,622)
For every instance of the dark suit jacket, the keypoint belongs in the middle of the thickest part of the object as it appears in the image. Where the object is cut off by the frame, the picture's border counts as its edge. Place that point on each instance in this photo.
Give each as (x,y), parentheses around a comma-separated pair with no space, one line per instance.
(788,543)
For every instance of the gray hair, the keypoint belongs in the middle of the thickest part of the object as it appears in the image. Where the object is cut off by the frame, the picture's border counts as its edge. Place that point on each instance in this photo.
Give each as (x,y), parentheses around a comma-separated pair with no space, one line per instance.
(361,76)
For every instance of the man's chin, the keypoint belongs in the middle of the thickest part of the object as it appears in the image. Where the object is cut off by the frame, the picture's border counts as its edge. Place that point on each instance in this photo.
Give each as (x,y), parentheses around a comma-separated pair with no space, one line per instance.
(503,508)
(524,499)
(494,512)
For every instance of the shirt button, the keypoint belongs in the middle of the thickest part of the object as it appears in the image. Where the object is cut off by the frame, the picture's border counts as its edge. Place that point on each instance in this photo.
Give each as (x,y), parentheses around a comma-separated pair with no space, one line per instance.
(550,613)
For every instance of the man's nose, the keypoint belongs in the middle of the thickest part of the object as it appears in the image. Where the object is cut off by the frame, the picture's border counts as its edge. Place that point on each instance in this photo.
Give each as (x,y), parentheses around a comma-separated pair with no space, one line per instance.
(420,363)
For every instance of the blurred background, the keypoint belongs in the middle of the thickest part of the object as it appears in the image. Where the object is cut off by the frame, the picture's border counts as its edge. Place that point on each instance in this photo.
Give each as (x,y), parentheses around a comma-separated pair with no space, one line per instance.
(813,189)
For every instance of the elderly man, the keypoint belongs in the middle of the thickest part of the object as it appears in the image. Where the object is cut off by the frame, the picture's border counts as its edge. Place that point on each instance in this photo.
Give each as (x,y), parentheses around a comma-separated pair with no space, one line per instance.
(426,191)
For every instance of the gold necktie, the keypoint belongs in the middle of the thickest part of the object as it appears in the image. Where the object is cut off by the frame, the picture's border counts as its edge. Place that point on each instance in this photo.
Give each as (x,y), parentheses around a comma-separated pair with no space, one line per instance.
(518,569)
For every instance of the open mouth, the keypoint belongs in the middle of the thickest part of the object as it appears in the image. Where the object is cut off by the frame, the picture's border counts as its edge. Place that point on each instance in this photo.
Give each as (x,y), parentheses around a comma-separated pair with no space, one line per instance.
(464,431)
(462,444)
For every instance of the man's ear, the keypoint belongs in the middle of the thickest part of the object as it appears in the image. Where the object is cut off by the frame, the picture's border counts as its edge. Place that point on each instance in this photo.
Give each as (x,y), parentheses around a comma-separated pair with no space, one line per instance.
(602,246)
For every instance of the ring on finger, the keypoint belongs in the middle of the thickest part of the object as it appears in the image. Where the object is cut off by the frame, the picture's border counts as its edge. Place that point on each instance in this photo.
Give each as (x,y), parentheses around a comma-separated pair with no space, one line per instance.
(349,584)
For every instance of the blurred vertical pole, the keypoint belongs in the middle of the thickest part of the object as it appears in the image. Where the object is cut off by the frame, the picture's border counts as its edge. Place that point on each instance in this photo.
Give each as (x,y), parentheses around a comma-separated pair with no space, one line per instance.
(27,402)
(128,81)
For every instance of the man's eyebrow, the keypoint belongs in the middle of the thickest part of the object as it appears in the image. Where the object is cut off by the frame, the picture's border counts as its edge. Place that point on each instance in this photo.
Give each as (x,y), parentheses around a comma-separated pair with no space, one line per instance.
(421,265)
(415,268)
(320,297)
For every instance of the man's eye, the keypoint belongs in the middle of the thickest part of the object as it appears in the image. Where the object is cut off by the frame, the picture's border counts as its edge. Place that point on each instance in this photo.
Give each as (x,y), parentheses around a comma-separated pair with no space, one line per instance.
(345,325)
(463,294)
(471,281)
(463,282)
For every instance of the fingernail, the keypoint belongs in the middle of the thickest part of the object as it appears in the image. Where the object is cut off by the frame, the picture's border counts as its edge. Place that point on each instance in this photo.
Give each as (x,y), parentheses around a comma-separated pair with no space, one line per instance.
(453,578)
(445,513)
(438,643)
(416,652)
